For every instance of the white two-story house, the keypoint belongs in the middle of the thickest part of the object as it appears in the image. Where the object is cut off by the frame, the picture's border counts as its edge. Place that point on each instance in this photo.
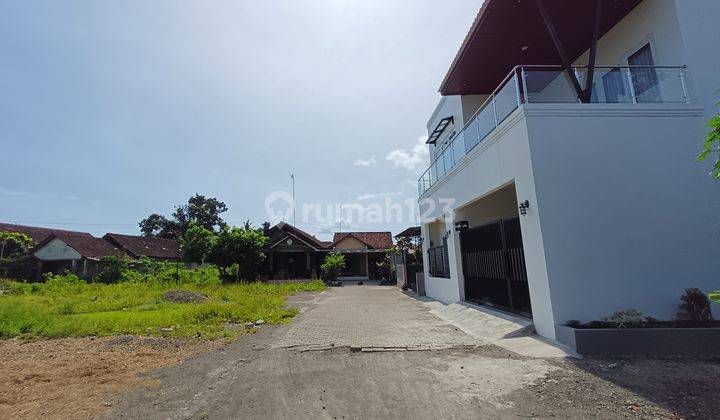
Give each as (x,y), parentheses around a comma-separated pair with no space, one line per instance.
(563,182)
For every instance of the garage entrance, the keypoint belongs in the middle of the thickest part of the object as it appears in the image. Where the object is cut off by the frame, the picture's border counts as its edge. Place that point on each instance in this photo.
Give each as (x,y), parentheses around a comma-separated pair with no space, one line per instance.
(494,266)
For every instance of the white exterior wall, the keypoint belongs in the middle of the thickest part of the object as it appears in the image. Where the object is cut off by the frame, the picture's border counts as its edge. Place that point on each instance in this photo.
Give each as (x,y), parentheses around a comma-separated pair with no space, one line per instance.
(621,216)
(57,250)
(629,219)
(442,289)
(502,158)
(498,205)
(653,21)
(700,32)
(449,106)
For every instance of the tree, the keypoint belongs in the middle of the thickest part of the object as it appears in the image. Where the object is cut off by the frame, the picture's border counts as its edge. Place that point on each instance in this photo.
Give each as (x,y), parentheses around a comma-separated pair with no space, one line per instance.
(159,226)
(110,269)
(410,248)
(712,145)
(240,246)
(333,266)
(199,210)
(197,243)
(13,245)
(695,306)
(386,266)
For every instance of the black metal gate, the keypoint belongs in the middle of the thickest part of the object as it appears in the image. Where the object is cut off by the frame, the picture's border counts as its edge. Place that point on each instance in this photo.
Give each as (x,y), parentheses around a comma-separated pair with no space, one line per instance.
(494,266)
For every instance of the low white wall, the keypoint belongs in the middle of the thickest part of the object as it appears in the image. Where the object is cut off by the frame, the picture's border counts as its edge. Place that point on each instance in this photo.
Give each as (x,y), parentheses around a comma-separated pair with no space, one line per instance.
(444,290)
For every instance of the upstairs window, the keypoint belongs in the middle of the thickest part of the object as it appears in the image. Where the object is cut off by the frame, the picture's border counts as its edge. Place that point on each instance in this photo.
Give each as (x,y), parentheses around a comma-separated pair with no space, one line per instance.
(644,79)
(614,87)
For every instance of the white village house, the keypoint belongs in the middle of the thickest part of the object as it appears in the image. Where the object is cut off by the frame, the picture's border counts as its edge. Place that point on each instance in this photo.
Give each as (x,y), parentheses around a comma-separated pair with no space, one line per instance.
(566,139)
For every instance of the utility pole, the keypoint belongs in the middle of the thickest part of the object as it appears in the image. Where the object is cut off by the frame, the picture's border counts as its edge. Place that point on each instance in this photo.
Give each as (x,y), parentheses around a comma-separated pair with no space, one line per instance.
(292,177)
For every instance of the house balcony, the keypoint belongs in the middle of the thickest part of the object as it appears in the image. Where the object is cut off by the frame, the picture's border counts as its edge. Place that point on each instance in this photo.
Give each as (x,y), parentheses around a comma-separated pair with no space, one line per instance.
(541,84)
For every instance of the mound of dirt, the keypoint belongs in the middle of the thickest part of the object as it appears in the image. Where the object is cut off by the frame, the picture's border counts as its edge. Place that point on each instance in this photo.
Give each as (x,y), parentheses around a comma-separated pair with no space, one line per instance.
(184,296)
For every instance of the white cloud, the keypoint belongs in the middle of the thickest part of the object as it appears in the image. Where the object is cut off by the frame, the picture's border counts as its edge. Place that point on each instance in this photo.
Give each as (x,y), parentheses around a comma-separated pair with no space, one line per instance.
(371,196)
(417,157)
(366,162)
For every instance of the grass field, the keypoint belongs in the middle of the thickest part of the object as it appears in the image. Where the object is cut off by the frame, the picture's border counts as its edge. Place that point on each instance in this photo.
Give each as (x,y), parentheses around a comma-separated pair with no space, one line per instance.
(68,307)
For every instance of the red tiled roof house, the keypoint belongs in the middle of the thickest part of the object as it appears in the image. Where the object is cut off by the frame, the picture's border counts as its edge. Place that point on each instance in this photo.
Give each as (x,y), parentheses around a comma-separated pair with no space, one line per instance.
(293,253)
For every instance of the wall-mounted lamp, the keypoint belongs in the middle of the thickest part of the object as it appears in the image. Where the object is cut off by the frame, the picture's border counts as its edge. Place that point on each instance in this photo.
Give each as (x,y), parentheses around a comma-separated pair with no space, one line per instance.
(524,206)
(461,225)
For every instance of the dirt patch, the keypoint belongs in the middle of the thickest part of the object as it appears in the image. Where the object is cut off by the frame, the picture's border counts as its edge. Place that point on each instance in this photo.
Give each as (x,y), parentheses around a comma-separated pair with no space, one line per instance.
(670,387)
(184,296)
(80,377)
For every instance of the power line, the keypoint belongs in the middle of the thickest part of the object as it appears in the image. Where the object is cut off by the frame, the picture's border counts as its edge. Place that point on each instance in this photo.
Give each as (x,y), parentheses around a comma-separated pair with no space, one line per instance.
(23,222)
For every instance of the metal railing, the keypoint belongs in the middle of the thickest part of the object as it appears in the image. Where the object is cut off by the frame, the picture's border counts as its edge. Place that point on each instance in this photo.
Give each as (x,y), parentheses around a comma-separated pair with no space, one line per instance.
(551,84)
(439,261)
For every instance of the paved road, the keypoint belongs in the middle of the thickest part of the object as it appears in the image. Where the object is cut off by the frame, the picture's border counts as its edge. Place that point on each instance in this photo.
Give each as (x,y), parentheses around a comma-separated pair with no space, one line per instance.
(315,368)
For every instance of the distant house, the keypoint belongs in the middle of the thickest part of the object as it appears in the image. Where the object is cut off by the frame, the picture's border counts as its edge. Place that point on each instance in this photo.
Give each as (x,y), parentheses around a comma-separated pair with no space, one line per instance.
(144,246)
(77,254)
(362,250)
(28,267)
(57,251)
(293,253)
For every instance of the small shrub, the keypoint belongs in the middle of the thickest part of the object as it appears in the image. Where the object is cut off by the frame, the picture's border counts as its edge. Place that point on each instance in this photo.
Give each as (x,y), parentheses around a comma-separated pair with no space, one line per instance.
(695,306)
(111,269)
(62,281)
(574,323)
(143,265)
(14,288)
(332,267)
(630,316)
(714,296)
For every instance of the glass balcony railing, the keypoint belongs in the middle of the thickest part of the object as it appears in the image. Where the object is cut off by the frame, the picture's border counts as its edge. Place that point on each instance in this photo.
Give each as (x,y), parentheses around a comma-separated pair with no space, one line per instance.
(552,84)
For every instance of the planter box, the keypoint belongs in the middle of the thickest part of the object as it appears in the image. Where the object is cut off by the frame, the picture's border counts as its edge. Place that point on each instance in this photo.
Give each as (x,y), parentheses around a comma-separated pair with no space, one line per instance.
(656,341)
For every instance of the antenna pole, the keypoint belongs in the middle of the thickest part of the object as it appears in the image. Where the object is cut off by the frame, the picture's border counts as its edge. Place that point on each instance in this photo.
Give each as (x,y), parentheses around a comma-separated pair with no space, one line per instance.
(292,177)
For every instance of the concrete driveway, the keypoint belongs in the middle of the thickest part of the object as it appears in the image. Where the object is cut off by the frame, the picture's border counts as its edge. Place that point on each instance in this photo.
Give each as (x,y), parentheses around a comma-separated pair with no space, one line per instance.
(369,318)
(373,352)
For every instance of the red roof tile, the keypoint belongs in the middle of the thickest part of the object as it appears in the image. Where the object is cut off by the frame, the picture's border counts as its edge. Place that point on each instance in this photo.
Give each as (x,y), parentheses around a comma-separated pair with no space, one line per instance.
(137,246)
(38,234)
(409,232)
(377,240)
(87,246)
(91,247)
(278,231)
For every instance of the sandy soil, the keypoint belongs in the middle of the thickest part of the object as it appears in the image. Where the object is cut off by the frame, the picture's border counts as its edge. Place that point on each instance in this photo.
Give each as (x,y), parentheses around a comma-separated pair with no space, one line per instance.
(77,378)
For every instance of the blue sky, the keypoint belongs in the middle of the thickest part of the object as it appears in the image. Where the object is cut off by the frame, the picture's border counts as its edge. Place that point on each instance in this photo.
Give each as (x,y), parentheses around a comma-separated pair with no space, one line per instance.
(111,111)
